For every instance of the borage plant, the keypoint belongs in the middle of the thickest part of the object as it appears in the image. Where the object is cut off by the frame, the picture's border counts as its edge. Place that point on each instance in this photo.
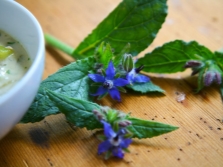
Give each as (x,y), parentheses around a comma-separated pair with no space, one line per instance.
(106,64)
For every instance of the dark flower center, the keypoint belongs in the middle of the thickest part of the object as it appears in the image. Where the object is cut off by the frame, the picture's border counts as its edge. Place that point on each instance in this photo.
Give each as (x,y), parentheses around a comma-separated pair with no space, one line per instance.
(116,138)
(108,84)
(137,70)
(115,141)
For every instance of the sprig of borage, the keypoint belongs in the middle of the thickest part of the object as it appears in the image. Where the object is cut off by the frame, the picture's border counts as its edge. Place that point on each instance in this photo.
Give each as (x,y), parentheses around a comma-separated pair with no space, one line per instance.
(119,127)
(116,137)
(114,79)
(178,55)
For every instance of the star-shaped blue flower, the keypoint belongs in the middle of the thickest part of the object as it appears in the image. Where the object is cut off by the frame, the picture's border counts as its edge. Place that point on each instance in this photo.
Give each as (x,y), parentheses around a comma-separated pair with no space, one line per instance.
(109,83)
(114,142)
(134,77)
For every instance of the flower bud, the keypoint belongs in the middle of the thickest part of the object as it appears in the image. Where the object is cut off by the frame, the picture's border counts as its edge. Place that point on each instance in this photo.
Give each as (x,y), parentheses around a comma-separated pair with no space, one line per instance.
(193,64)
(212,76)
(124,123)
(218,78)
(99,116)
(127,62)
(208,78)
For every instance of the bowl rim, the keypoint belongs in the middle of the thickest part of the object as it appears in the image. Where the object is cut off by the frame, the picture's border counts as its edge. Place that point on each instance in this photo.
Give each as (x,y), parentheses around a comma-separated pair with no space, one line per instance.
(36,61)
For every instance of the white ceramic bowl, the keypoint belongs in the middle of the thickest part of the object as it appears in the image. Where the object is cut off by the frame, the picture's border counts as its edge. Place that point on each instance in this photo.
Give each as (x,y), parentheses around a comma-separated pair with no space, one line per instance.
(18,22)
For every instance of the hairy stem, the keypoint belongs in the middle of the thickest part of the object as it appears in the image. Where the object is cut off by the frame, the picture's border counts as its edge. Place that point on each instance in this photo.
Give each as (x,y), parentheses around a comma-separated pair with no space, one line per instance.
(52,41)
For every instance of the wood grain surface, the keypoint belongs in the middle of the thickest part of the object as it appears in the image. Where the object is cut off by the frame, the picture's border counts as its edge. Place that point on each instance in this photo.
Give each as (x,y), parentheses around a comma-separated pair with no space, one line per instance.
(197,142)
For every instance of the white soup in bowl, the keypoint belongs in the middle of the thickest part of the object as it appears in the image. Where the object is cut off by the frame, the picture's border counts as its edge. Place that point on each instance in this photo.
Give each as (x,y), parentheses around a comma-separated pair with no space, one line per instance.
(14,62)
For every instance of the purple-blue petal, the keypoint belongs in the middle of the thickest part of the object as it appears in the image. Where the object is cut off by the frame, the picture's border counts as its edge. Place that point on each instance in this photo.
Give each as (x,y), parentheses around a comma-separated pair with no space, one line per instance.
(141,78)
(120,82)
(108,131)
(130,76)
(110,71)
(114,93)
(125,143)
(104,146)
(101,90)
(117,152)
(96,77)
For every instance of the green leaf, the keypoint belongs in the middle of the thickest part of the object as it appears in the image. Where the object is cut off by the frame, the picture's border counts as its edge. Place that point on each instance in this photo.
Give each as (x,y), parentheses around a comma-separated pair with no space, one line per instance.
(5,52)
(147,129)
(118,58)
(145,87)
(219,58)
(132,21)
(77,111)
(71,80)
(105,55)
(172,56)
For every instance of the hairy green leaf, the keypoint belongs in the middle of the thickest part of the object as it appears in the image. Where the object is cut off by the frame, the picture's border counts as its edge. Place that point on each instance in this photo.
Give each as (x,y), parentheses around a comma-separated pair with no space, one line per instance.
(71,80)
(118,58)
(172,56)
(133,21)
(145,87)
(147,129)
(105,54)
(219,58)
(77,111)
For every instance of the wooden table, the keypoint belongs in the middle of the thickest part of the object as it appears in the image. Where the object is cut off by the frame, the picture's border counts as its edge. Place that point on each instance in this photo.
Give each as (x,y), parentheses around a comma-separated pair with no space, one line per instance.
(197,142)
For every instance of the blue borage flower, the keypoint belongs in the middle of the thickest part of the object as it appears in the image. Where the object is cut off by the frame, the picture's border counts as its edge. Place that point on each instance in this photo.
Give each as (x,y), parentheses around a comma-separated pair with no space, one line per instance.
(109,84)
(114,143)
(134,77)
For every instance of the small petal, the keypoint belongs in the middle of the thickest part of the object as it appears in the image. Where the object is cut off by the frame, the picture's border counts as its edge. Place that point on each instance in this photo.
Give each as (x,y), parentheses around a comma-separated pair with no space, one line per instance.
(101,90)
(104,146)
(141,78)
(122,131)
(125,143)
(130,76)
(108,131)
(114,93)
(96,77)
(110,71)
(117,152)
(121,82)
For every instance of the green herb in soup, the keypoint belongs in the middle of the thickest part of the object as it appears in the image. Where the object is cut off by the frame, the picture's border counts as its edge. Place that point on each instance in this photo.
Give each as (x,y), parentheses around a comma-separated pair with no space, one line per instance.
(14,62)
(5,52)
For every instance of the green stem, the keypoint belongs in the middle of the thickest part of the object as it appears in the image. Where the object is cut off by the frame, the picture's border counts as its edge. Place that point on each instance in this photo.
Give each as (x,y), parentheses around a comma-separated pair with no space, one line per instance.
(52,41)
